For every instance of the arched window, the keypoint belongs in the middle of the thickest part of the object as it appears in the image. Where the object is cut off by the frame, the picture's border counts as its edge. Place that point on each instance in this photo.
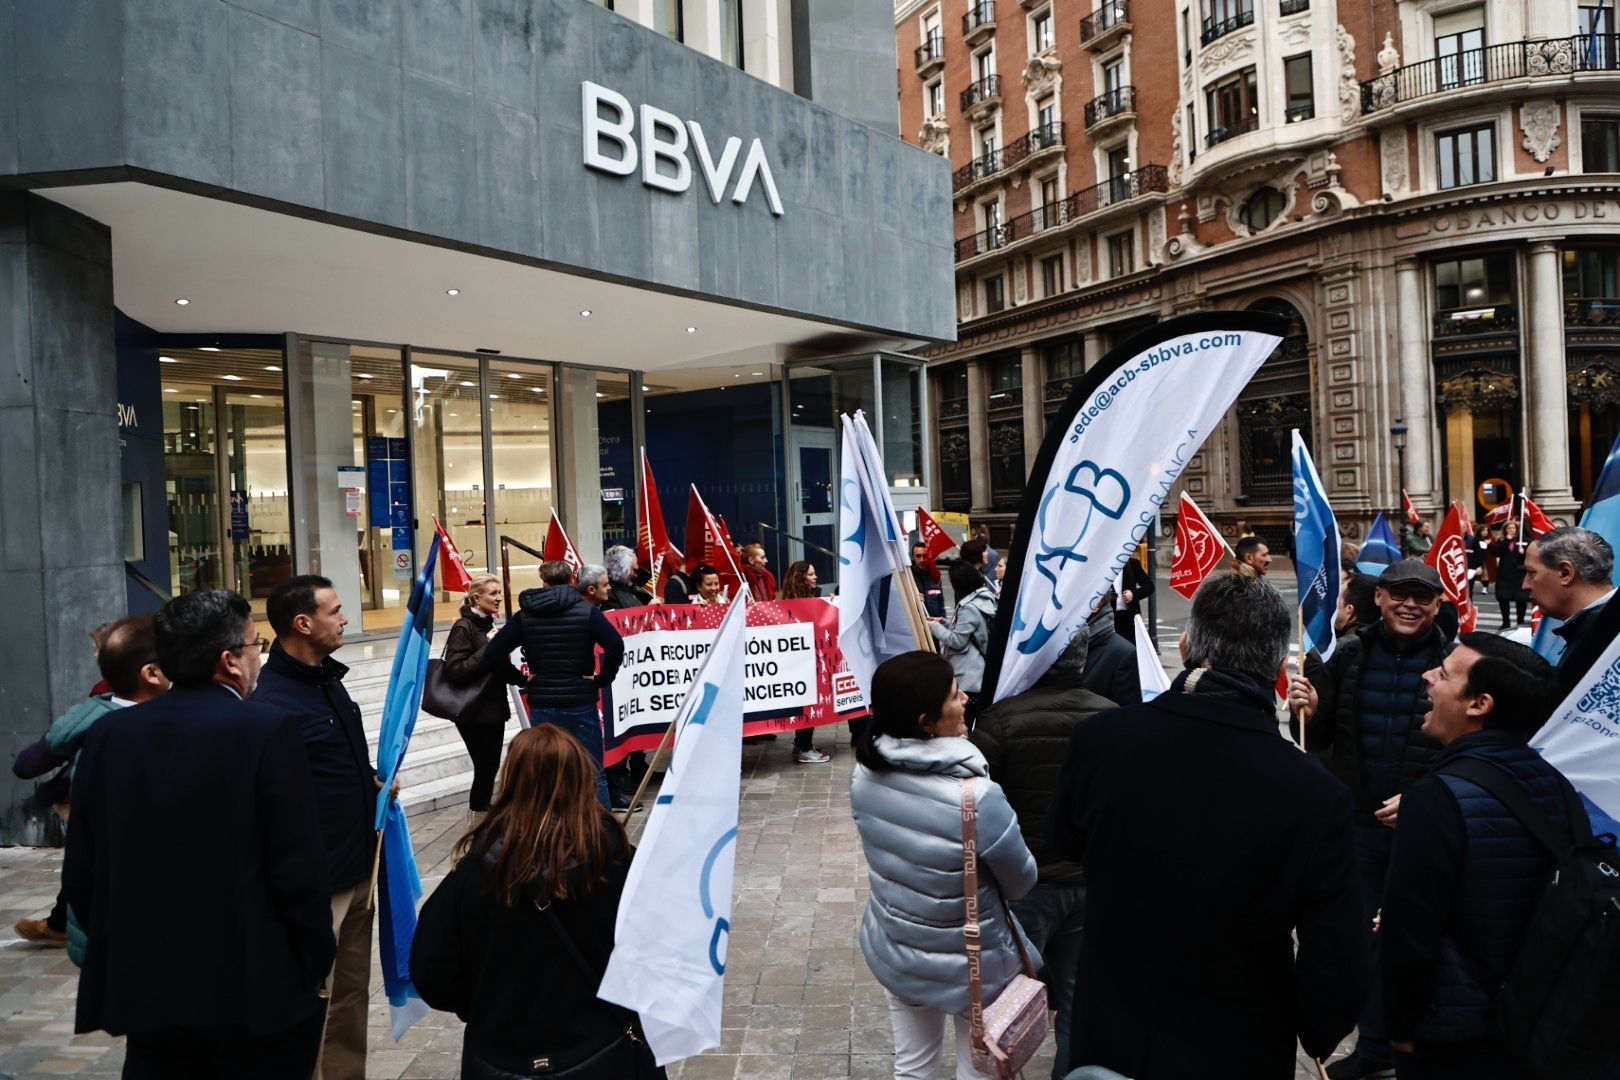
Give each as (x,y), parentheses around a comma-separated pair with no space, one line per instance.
(1263,209)
(1277,400)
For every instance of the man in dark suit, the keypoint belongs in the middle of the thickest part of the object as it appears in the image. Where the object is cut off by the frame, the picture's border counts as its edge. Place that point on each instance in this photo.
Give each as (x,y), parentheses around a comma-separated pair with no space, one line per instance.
(300,677)
(1208,841)
(1570,574)
(194,812)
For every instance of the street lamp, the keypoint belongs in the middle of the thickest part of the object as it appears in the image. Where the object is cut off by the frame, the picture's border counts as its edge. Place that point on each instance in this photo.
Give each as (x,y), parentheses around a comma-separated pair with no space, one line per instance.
(1397,432)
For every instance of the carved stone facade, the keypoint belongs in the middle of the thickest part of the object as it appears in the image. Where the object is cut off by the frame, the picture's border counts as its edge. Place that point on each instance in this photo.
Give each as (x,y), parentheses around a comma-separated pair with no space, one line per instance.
(1539,122)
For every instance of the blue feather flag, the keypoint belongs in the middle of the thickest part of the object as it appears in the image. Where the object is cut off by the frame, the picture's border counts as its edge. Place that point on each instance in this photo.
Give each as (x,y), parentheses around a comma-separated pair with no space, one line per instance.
(400,886)
(1316,554)
(1381,548)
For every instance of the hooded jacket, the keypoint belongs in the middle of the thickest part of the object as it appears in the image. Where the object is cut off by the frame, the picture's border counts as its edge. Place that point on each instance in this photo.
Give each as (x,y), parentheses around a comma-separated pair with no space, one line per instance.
(559,630)
(68,730)
(1111,662)
(910,822)
(966,641)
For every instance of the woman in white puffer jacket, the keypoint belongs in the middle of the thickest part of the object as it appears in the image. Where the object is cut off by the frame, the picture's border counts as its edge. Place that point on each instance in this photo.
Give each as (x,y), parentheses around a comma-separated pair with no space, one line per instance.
(906,795)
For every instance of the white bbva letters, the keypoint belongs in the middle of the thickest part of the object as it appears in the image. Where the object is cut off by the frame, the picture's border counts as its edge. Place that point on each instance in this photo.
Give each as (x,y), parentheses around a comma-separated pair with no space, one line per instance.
(664,139)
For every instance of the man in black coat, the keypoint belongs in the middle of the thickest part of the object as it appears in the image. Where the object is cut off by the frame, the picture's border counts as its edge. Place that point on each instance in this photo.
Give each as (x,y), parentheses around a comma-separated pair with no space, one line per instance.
(302,678)
(1023,739)
(194,863)
(926,577)
(559,630)
(1209,842)
(1467,875)
(1364,710)
(1570,574)
(1110,659)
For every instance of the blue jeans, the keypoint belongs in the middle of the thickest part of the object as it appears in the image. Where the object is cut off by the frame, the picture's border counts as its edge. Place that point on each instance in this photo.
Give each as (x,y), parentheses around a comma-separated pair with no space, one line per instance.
(1054,916)
(584,723)
(1373,846)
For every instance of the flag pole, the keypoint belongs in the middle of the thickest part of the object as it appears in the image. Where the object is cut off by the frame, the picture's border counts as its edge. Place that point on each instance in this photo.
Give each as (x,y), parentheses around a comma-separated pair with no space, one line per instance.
(1304,716)
(915,613)
(652,766)
(376,865)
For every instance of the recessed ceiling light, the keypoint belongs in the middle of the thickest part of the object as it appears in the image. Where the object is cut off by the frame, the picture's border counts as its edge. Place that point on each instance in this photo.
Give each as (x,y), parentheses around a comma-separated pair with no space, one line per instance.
(600,394)
(167,360)
(736,375)
(644,389)
(363,375)
(455,414)
(170,390)
(691,329)
(256,395)
(537,389)
(513,375)
(759,373)
(452,292)
(492,397)
(271,367)
(391,412)
(231,378)
(208,348)
(182,301)
(585,313)
(465,382)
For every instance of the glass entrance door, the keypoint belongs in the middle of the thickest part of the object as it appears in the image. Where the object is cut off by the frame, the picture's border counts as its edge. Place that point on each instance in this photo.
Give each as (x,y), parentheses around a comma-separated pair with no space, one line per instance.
(225,470)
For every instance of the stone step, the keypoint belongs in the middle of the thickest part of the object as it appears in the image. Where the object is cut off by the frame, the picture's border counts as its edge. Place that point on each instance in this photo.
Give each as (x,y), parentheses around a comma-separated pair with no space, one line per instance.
(429,732)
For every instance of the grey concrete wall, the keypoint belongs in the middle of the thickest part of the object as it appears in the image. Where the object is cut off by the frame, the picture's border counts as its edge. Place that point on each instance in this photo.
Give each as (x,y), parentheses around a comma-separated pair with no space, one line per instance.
(843,58)
(458,122)
(61,566)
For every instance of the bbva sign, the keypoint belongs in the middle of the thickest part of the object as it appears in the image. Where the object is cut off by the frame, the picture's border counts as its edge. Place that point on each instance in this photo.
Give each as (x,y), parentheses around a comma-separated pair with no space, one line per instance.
(610,147)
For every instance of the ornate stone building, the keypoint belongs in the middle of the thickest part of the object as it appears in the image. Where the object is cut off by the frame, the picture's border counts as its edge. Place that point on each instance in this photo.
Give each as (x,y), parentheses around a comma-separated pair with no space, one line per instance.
(1428,189)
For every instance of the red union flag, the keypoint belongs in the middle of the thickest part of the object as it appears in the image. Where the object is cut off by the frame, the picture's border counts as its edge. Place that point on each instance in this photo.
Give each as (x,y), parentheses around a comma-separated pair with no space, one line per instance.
(1412,517)
(452,571)
(934,538)
(1532,520)
(706,544)
(558,547)
(658,556)
(1199,547)
(1449,556)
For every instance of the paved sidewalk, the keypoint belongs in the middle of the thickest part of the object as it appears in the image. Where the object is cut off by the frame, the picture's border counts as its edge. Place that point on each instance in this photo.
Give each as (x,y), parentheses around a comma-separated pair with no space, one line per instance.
(800,1002)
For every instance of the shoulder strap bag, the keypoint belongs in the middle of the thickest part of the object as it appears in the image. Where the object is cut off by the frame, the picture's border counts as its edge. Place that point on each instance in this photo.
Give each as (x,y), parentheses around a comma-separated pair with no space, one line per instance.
(1008,1032)
(448,700)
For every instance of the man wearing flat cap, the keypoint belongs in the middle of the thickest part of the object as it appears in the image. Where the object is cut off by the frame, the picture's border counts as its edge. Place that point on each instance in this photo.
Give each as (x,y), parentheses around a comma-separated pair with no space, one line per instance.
(1364,710)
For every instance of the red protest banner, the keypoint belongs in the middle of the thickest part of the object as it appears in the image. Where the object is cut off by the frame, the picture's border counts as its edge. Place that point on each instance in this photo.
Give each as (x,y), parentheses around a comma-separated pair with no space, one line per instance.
(1199,548)
(1449,556)
(794,675)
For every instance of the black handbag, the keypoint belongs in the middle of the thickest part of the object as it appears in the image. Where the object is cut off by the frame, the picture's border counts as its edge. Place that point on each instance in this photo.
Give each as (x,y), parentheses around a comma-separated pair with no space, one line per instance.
(445,699)
(627,1057)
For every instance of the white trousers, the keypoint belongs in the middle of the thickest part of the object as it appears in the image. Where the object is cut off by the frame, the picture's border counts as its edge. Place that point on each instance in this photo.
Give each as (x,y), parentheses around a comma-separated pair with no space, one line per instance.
(919,1036)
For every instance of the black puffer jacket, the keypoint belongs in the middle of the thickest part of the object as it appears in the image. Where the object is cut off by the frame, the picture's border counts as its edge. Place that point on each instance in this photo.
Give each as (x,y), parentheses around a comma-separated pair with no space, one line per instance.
(1368,731)
(1024,739)
(622,594)
(559,630)
(1464,879)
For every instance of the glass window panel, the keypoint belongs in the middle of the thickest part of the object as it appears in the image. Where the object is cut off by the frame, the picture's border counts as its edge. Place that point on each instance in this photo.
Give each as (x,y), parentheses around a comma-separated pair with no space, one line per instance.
(902,415)
(446,409)
(616,472)
(522,453)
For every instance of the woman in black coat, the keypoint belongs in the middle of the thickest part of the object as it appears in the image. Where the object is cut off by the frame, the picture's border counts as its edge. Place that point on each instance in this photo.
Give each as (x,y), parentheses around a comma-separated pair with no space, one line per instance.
(516,939)
(1135,586)
(1509,552)
(483,725)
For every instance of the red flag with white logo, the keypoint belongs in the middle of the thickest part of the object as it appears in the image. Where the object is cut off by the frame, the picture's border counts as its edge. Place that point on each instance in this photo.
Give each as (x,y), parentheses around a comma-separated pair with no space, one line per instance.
(706,544)
(452,571)
(1532,520)
(934,538)
(657,554)
(1199,548)
(1412,517)
(1449,556)
(558,547)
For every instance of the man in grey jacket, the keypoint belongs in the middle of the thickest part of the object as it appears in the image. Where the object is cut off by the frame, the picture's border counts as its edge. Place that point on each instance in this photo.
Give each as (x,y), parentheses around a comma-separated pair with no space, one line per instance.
(1023,739)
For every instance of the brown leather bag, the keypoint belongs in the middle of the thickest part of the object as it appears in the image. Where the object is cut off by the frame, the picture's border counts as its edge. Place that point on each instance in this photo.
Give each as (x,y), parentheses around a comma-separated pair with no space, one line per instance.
(1009,1032)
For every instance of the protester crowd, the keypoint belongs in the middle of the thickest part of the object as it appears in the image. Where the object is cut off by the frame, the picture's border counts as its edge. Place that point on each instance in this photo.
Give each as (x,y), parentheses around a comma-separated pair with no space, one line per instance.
(1196,894)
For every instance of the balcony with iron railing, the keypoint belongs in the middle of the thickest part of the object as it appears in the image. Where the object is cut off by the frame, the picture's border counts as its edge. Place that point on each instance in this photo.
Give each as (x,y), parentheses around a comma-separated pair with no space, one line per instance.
(1232,130)
(1215,29)
(1028,149)
(1081,204)
(1511,61)
(982,95)
(1099,29)
(980,168)
(1476,320)
(979,22)
(1117,104)
(1592,313)
(931,54)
